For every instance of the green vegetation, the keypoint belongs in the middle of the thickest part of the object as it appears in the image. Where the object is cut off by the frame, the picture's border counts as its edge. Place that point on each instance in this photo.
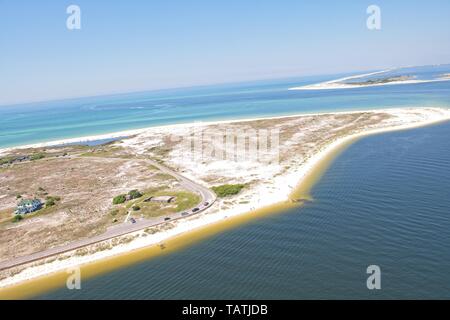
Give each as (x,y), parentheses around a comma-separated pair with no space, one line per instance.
(134,194)
(51,201)
(18,196)
(118,212)
(382,80)
(184,200)
(228,189)
(6,160)
(37,156)
(119,199)
(17,218)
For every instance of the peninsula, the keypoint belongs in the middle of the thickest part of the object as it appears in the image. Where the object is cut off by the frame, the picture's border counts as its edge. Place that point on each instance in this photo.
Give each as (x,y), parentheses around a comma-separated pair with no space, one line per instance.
(103,200)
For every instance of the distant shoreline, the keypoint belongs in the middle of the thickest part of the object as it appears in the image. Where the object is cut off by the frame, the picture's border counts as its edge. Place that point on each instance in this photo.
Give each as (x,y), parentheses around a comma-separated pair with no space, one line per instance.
(340,84)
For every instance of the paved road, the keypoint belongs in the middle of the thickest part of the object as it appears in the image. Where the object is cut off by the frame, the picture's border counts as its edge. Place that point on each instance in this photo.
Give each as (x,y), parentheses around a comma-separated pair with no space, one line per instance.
(207,196)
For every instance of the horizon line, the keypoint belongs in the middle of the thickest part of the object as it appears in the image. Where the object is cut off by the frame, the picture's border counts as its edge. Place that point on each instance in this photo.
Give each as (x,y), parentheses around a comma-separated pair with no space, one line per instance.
(203,85)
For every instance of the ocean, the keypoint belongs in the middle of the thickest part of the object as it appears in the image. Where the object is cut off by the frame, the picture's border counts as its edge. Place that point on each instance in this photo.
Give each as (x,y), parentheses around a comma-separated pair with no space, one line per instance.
(55,120)
(384,201)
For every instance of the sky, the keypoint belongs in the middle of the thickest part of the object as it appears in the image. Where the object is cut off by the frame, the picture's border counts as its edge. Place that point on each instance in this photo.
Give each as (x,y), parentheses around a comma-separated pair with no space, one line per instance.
(126,46)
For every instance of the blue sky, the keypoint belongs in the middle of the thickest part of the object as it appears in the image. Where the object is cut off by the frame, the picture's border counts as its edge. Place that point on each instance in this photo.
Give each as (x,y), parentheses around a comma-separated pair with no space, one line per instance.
(142,45)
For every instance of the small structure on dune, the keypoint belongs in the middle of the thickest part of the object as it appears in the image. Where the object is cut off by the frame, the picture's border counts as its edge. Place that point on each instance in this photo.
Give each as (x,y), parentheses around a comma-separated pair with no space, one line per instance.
(160,199)
(28,205)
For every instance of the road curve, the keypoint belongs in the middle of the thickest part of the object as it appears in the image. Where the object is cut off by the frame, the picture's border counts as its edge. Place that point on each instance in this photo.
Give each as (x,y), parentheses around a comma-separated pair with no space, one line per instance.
(207,199)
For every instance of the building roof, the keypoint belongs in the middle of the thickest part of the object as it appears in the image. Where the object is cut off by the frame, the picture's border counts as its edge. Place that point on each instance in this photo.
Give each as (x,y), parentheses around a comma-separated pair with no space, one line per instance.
(161,198)
(29,202)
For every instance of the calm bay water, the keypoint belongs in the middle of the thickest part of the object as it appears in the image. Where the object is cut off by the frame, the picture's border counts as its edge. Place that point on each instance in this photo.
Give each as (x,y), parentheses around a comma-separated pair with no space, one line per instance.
(47,121)
(384,201)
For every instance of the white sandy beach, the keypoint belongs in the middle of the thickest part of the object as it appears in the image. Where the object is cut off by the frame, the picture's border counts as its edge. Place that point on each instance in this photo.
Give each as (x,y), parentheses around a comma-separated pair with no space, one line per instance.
(279,189)
(339,83)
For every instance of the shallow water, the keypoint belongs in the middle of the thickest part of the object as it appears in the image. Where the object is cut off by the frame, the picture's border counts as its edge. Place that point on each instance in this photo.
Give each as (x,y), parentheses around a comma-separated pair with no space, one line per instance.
(384,201)
(47,121)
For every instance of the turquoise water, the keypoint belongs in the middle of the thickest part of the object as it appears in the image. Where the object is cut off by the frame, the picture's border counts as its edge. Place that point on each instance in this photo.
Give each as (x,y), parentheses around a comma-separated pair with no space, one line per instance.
(47,121)
(384,201)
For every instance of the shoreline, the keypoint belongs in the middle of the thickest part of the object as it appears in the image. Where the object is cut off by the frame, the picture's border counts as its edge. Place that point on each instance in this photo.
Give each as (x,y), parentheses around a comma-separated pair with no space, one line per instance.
(131,132)
(49,275)
(339,84)
(331,82)
(323,86)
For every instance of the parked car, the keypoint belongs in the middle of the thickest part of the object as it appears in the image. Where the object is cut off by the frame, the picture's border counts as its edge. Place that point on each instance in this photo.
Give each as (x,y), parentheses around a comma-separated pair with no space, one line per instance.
(132,220)
(166,218)
(195,209)
(206,204)
(184,213)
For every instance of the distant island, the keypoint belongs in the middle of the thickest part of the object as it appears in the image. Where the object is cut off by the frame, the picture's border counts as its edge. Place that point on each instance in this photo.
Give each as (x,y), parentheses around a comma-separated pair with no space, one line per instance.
(381,81)
(348,83)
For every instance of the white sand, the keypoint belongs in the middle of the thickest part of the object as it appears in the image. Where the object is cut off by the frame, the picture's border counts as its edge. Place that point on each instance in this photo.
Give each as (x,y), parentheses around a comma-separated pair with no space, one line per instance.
(171,128)
(339,83)
(262,195)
